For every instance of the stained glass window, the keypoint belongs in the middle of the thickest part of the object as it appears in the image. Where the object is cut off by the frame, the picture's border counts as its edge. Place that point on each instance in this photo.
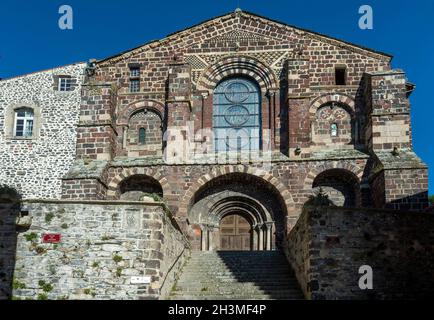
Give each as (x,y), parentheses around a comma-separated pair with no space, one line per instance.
(236,115)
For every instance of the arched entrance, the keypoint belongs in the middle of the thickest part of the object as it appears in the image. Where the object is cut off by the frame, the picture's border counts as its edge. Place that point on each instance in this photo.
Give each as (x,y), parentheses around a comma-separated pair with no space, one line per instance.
(236,232)
(138,186)
(341,186)
(238,211)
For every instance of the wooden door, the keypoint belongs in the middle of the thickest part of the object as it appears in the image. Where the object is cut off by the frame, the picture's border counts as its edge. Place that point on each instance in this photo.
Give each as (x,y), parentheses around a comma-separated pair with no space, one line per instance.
(235,233)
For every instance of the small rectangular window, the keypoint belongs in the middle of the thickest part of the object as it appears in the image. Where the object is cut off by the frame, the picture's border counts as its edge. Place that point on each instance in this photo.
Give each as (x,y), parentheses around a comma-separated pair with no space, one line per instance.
(65,84)
(23,122)
(134,85)
(134,72)
(340,76)
(334,130)
(142,136)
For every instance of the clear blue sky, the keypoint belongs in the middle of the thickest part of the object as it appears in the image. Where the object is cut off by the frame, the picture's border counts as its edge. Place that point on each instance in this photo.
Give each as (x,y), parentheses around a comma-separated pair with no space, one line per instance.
(30,39)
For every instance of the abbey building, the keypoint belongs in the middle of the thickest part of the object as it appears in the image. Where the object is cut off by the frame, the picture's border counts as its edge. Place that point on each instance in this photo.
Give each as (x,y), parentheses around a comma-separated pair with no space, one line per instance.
(232,124)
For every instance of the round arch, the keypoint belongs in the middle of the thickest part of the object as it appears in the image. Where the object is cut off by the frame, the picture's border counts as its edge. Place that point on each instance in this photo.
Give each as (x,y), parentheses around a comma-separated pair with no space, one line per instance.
(346,166)
(135,107)
(238,194)
(238,65)
(188,198)
(135,186)
(114,183)
(340,98)
(341,186)
(225,203)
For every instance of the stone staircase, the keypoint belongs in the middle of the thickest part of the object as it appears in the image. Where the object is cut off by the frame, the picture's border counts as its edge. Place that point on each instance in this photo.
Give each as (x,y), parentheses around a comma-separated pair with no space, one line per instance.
(221,275)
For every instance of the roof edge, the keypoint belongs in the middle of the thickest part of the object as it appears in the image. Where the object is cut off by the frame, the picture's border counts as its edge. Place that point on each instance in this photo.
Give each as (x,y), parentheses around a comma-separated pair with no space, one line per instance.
(360,47)
(41,71)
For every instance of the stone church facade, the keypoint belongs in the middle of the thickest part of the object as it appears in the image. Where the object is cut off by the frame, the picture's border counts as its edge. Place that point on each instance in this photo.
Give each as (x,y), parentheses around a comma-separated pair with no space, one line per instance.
(231,125)
(244,112)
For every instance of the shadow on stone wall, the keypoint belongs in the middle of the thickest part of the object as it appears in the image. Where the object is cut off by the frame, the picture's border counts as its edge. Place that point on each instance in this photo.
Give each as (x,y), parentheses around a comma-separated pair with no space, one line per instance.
(10,212)
(337,241)
(415,202)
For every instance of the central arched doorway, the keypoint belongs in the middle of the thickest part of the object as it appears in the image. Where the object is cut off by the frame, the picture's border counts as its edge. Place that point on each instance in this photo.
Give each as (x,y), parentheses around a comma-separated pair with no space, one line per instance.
(237,211)
(236,232)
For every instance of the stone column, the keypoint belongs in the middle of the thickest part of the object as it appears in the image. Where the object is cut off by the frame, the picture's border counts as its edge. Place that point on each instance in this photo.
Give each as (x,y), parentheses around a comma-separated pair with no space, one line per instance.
(268,238)
(204,238)
(213,238)
(254,238)
(124,136)
(260,237)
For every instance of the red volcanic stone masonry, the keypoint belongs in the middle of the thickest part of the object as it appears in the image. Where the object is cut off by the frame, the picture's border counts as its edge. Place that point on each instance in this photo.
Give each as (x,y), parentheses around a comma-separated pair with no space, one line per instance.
(295,73)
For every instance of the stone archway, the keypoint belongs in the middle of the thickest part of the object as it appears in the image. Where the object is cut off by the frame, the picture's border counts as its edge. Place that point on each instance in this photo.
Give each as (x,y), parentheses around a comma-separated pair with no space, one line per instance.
(239,195)
(121,174)
(341,186)
(238,65)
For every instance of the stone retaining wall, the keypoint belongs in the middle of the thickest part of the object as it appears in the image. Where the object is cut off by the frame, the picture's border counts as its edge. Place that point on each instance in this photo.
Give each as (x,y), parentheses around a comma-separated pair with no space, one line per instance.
(103,245)
(335,242)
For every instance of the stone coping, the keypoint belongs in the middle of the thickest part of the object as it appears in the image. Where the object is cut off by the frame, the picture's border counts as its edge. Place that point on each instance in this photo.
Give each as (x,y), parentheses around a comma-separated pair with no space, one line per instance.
(115,202)
(405,159)
(315,156)
(344,210)
(101,202)
(94,169)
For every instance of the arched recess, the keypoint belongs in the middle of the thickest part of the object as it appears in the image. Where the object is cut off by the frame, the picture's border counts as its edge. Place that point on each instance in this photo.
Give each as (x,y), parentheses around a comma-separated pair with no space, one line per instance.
(329,98)
(238,194)
(257,71)
(114,184)
(132,108)
(144,119)
(188,198)
(356,170)
(238,65)
(333,126)
(143,135)
(13,221)
(140,187)
(342,187)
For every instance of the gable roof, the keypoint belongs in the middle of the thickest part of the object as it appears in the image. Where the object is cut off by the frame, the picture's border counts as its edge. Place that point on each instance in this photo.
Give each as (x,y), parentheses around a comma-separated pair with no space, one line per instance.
(321,36)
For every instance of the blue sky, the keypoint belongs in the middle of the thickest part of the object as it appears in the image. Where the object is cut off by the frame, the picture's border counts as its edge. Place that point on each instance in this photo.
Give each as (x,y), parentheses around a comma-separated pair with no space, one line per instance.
(30,39)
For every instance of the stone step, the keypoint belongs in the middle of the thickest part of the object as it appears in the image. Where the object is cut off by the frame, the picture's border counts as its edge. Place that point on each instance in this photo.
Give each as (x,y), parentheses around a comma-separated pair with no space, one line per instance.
(211,283)
(241,273)
(229,280)
(238,291)
(252,275)
(236,297)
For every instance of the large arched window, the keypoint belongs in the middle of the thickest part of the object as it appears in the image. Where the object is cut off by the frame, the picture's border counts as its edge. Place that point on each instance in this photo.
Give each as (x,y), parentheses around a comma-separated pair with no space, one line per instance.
(237,115)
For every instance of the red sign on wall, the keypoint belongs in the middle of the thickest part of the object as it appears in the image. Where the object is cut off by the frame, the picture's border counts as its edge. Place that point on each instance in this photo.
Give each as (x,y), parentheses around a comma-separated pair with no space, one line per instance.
(51,237)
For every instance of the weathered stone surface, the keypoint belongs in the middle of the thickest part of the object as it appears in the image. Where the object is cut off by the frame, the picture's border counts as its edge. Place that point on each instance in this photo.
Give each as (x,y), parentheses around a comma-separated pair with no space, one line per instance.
(35,165)
(92,261)
(326,257)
